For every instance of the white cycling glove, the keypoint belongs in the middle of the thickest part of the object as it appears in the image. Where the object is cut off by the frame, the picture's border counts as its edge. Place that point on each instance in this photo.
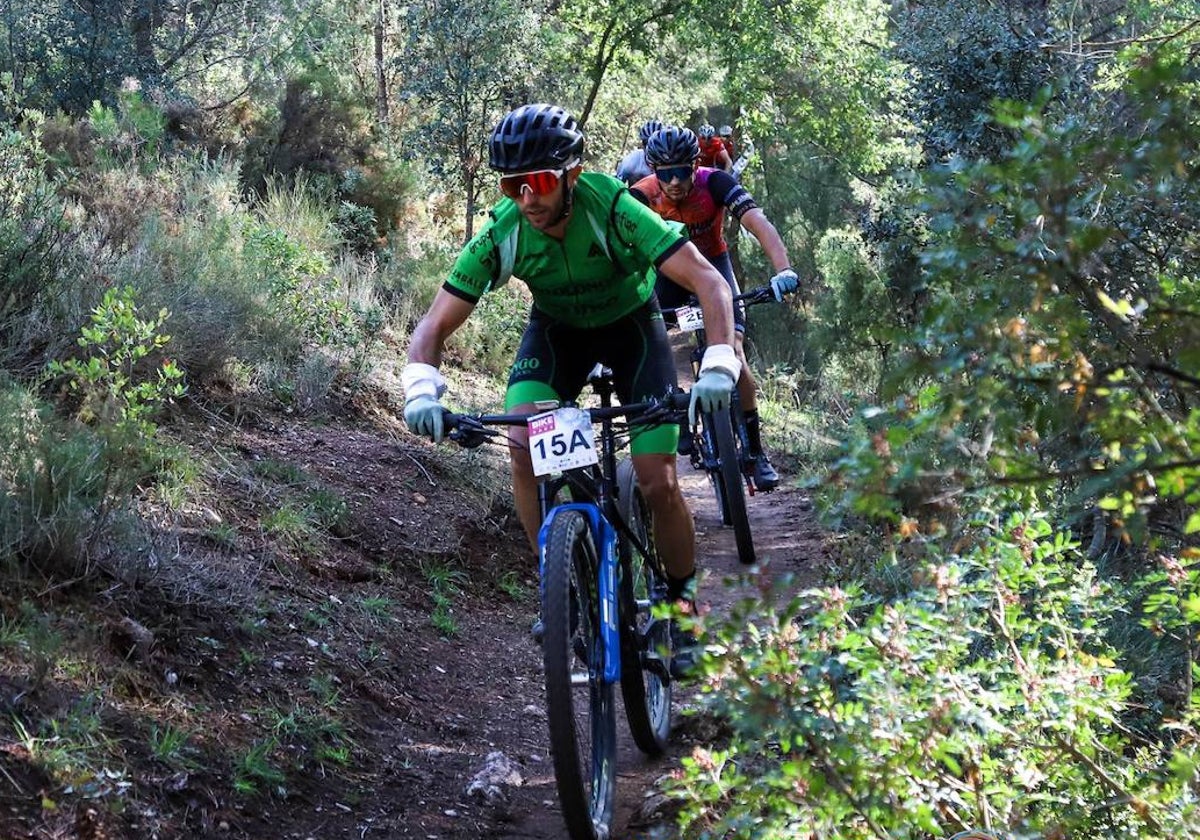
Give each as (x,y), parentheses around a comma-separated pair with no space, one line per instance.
(784,282)
(719,372)
(423,386)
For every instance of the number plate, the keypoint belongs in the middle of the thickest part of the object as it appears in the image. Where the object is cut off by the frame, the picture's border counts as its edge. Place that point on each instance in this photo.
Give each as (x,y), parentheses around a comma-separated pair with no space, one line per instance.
(690,318)
(561,440)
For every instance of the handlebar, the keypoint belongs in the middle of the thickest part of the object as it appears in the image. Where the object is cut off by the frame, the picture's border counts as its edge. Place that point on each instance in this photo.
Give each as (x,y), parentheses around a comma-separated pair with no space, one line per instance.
(472,430)
(761,294)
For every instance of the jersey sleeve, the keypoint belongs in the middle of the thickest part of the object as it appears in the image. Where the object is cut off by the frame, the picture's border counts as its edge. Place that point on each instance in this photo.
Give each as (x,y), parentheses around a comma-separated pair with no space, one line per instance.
(477,268)
(725,190)
(644,231)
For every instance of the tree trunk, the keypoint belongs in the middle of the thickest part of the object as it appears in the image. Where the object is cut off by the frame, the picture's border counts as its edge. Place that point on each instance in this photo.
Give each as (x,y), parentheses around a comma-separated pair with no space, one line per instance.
(471,188)
(381,92)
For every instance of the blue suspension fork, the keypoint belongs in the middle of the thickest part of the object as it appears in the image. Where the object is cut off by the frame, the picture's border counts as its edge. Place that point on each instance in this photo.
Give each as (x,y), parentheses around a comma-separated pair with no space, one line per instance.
(604,536)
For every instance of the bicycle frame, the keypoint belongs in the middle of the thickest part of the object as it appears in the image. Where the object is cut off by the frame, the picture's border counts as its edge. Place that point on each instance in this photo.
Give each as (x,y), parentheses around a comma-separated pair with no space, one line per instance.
(760,295)
(604,520)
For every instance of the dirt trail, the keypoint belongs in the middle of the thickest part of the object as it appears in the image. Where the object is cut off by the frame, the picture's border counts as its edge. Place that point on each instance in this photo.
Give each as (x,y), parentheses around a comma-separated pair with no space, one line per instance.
(499,700)
(306,645)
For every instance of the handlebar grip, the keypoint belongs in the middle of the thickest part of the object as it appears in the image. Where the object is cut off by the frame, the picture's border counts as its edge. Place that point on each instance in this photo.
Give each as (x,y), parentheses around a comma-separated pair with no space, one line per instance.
(678,400)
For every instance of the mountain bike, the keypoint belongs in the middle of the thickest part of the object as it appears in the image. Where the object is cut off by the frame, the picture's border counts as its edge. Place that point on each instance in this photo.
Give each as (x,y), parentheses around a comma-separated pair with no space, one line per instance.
(601,578)
(720,444)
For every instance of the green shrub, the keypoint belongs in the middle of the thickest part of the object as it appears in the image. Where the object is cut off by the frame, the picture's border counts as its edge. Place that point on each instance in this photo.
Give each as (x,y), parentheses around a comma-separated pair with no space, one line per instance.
(983,696)
(115,388)
(54,488)
(132,131)
(36,252)
(61,481)
(263,291)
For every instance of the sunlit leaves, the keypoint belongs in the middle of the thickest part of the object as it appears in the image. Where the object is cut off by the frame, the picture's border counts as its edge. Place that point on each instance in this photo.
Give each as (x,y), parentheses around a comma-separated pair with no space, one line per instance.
(986,691)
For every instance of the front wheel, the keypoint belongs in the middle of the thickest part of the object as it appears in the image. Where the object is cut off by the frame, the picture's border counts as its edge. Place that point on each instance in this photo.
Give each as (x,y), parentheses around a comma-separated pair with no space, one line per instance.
(726,475)
(645,640)
(579,703)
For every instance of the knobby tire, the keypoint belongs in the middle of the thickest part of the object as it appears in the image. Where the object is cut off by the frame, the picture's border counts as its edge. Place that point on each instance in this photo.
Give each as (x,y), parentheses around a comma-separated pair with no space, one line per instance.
(731,494)
(582,720)
(645,688)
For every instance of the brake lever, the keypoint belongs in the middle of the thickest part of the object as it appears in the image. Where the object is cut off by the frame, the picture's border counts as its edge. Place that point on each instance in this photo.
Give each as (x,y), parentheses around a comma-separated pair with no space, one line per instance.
(468,432)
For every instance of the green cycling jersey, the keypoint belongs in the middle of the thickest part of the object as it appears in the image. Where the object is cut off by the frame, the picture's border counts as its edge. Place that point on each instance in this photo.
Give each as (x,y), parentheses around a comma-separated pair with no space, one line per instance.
(597,273)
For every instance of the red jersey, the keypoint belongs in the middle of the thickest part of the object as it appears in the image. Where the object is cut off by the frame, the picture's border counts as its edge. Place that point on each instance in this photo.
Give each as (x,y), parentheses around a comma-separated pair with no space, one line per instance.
(703,209)
(709,149)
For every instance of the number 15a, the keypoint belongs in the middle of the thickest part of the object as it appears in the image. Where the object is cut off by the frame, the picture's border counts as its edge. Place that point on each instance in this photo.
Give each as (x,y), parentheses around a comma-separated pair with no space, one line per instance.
(558,445)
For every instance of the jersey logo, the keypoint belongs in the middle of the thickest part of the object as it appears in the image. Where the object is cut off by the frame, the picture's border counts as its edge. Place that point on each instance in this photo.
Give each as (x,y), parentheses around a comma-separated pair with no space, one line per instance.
(594,250)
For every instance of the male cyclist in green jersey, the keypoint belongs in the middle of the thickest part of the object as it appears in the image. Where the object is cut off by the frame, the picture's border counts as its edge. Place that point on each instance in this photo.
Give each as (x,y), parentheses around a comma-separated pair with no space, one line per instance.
(584,247)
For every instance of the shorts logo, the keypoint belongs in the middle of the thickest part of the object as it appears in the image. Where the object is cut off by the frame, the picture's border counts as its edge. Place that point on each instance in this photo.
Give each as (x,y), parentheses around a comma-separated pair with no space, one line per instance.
(526,365)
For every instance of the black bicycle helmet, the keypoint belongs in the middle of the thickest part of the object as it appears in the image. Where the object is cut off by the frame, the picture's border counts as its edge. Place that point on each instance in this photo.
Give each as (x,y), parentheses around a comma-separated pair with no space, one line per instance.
(725,131)
(706,131)
(672,146)
(535,137)
(648,128)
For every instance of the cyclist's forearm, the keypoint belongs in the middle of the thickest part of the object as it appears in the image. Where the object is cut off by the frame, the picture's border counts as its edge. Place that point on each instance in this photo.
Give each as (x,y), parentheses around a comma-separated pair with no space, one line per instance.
(445,315)
(717,305)
(768,237)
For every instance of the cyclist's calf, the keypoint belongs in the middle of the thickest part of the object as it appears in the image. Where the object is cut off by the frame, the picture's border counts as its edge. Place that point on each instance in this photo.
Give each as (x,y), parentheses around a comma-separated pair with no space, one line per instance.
(674,532)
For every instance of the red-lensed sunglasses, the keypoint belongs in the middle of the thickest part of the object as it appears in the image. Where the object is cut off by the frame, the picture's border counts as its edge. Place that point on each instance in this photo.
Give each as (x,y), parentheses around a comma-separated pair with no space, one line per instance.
(542,182)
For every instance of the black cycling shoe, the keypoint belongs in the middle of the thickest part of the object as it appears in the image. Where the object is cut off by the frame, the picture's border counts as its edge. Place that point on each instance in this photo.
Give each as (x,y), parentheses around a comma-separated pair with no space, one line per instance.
(685,648)
(685,652)
(765,477)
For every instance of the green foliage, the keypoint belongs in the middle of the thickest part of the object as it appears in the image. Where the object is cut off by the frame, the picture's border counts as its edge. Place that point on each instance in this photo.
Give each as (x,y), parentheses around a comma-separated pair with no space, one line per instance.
(856,309)
(74,751)
(35,248)
(168,743)
(467,63)
(984,695)
(445,585)
(512,584)
(254,770)
(64,56)
(266,291)
(133,131)
(111,382)
(810,72)
(322,139)
(965,56)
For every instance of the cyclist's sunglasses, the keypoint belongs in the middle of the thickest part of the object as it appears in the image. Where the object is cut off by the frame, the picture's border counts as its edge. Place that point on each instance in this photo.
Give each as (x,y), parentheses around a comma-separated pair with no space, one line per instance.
(542,182)
(667,174)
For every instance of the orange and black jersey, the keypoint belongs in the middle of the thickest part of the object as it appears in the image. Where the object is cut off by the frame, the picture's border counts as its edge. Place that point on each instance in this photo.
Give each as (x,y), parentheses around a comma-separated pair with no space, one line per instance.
(703,209)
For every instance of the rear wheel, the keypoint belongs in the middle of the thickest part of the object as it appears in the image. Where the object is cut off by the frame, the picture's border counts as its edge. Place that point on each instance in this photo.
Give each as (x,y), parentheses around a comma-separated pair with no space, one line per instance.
(732,488)
(579,704)
(645,640)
